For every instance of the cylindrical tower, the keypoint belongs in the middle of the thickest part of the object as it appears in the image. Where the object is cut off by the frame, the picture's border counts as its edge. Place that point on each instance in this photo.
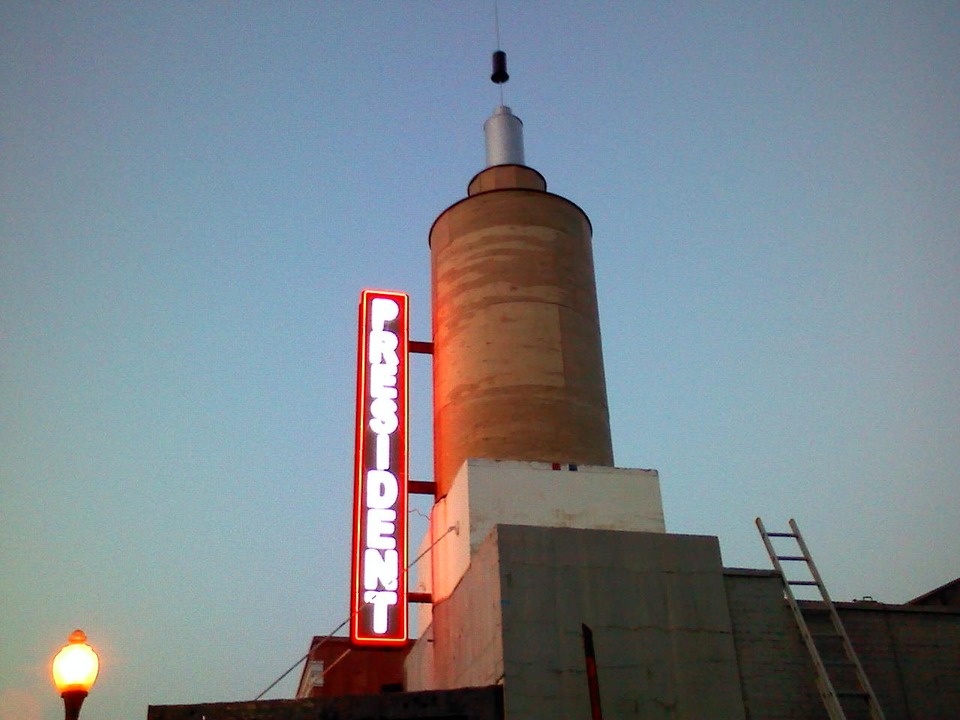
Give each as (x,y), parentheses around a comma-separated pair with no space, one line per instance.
(518,366)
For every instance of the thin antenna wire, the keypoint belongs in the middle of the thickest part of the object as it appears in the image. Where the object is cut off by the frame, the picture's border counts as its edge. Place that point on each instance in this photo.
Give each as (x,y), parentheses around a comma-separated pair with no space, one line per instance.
(294,666)
(452,528)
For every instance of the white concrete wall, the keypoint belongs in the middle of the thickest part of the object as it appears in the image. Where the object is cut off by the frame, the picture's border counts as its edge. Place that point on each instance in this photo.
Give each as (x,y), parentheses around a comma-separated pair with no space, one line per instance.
(486,493)
(656,603)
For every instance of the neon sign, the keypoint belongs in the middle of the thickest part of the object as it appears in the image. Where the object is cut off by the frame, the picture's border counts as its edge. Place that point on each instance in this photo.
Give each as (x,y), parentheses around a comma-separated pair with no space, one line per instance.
(378,608)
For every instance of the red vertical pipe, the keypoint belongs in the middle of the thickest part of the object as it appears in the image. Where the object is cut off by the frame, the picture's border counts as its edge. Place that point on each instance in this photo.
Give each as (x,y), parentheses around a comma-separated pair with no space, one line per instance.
(593,684)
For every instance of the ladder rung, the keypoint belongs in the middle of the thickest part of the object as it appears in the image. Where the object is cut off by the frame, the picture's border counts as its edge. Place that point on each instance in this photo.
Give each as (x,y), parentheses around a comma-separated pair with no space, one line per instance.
(823,641)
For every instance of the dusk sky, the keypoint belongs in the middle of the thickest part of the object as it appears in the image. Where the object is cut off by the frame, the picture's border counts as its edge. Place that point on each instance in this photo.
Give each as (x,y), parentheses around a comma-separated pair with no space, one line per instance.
(193,195)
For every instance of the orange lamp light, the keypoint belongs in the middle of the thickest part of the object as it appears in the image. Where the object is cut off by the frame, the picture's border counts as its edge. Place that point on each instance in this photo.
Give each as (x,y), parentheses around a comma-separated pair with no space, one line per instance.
(76,665)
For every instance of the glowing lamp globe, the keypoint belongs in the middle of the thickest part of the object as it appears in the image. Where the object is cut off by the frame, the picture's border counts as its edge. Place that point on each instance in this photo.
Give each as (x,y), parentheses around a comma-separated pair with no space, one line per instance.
(76,666)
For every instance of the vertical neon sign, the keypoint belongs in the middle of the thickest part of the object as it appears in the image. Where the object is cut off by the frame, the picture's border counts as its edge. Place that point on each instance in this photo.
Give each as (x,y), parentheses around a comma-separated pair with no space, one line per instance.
(378,604)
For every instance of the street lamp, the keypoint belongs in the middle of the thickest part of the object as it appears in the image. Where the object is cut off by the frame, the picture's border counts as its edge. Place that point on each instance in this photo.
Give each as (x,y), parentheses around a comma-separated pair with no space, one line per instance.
(75,670)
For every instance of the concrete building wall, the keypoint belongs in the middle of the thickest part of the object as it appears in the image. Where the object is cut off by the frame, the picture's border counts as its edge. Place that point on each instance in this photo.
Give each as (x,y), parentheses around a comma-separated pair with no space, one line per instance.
(656,604)
(464,704)
(487,492)
(463,647)
(911,654)
(518,366)
(657,607)
(675,636)
(776,673)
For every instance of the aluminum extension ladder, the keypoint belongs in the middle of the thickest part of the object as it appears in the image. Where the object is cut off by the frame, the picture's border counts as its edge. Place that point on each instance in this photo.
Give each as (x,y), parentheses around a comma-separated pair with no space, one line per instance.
(829,646)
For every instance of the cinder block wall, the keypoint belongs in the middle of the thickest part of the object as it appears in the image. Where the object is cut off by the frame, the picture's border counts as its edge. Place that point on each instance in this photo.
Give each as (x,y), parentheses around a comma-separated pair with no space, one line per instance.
(911,654)
(776,673)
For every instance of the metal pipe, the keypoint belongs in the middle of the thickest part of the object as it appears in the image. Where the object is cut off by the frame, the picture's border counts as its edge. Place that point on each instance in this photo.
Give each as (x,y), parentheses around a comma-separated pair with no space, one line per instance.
(503,132)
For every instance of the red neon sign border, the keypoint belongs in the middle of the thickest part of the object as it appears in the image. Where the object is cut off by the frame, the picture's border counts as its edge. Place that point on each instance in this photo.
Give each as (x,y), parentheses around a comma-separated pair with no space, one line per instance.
(398,635)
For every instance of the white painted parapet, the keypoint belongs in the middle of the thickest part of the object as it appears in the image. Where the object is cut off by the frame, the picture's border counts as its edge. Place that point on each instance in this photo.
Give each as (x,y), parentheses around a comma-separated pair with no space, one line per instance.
(486,493)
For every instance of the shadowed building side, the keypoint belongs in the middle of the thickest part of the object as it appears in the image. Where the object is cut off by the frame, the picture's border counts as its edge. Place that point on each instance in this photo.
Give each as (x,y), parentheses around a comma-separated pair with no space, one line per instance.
(518,365)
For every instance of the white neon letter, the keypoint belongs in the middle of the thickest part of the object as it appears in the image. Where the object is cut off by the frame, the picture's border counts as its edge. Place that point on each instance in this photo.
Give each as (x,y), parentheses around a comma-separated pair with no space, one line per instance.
(383,451)
(382,489)
(384,420)
(380,569)
(381,601)
(383,381)
(383,310)
(383,348)
(381,528)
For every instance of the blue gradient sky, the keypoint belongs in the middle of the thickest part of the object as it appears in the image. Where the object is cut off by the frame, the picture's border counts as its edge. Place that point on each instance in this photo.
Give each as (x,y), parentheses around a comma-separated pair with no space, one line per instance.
(192,196)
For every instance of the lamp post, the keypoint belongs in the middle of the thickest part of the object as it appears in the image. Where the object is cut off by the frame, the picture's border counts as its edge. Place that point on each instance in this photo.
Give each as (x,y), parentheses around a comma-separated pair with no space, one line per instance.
(75,670)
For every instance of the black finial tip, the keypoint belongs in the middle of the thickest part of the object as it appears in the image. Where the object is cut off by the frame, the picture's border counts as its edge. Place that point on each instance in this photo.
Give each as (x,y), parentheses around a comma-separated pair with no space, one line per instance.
(499,75)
